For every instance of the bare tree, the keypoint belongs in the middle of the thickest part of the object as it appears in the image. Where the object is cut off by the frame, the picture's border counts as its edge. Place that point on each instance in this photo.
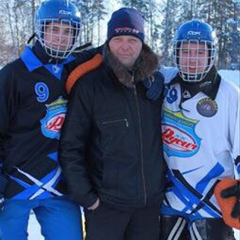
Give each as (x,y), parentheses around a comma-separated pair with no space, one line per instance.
(162,17)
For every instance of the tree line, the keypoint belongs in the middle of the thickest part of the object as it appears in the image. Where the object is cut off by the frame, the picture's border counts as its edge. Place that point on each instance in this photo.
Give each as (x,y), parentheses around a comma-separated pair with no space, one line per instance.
(162,17)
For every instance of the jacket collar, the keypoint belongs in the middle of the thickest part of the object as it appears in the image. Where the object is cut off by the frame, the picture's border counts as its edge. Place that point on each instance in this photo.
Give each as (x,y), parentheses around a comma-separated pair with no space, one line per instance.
(32,61)
(145,66)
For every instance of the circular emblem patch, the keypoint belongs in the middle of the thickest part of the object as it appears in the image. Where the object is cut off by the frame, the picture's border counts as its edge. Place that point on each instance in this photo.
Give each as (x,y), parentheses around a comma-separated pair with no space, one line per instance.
(207,107)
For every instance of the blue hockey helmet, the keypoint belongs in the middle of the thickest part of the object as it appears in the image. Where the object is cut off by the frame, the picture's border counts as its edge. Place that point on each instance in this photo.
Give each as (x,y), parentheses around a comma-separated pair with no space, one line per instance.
(67,15)
(202,36)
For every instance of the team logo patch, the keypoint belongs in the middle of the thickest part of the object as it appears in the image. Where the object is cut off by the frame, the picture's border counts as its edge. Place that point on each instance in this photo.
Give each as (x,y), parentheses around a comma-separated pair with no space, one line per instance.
(207,107)
(55,116)
(178,134)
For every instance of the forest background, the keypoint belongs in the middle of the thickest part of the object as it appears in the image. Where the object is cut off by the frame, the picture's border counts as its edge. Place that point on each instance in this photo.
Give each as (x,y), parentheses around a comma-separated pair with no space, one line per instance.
(162,17)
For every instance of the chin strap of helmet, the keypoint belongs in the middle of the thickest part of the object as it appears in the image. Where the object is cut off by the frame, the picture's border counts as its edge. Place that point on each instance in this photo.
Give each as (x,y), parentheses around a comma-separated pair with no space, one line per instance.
(31,38)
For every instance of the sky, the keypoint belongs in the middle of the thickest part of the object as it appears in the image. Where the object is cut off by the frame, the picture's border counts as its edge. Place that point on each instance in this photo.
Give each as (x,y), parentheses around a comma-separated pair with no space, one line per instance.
(34,230)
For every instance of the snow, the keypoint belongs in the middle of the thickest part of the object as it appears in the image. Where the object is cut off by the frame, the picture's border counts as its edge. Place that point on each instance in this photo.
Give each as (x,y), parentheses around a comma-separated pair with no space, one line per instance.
(34,229)
(231,75)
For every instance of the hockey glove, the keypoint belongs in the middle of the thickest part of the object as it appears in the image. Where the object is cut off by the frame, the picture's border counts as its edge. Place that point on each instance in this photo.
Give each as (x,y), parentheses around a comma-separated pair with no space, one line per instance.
(227,193)
(3,183)
(154,85)
(233,191)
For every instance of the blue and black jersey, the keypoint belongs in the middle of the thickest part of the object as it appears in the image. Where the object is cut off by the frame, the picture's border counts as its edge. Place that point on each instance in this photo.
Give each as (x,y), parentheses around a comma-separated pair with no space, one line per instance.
(32,107)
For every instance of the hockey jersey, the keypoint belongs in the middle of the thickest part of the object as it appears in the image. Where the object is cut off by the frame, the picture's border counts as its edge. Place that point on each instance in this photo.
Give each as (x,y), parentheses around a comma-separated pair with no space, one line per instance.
(200,134)
(33,107)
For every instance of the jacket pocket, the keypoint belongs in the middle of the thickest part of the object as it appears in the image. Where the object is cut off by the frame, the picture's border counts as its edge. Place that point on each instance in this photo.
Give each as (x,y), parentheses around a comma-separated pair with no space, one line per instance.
(116,122)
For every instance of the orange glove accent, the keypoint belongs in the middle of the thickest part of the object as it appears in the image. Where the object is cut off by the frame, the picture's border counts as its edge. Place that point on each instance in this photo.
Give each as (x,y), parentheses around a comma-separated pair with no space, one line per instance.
(228,202)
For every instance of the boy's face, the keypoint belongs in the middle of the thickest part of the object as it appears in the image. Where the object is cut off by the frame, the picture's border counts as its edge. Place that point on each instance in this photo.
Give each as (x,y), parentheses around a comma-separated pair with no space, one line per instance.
(193,57)
(59,36)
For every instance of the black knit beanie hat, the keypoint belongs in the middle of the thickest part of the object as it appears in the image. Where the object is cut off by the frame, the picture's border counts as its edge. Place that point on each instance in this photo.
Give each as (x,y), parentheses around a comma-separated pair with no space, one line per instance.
(126,21)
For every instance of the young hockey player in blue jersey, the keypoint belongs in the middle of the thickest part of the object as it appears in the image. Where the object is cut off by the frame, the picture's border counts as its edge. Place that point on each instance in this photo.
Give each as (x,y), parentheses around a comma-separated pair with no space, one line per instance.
(32,108)
(200,134)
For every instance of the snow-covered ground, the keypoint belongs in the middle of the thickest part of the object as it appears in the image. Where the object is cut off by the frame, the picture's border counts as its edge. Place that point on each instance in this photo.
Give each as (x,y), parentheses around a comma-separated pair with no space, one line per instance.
(233,76)
(34,229)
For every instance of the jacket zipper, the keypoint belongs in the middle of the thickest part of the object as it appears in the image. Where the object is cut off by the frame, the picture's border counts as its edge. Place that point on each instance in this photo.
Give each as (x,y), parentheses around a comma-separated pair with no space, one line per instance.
(141,139)
(117,121)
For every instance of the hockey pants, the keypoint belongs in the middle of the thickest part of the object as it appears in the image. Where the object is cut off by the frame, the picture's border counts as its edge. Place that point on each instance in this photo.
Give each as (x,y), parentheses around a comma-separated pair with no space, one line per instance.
(177,228)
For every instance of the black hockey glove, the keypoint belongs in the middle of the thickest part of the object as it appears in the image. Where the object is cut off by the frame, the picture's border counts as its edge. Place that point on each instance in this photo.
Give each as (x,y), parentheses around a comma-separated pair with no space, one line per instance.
(154,85)
(233,191)
(3,183)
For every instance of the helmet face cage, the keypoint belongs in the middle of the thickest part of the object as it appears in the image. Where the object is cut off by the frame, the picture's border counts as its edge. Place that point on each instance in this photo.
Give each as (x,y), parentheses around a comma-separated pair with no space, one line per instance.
(194,58)
(194,50)
(59,39)
(57,26)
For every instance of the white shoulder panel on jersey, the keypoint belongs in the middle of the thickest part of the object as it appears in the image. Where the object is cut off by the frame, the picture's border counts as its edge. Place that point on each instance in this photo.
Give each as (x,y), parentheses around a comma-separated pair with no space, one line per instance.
(169,73)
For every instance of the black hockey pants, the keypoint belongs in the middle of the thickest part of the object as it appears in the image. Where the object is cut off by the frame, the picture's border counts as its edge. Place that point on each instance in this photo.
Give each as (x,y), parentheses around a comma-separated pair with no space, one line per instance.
(176,228)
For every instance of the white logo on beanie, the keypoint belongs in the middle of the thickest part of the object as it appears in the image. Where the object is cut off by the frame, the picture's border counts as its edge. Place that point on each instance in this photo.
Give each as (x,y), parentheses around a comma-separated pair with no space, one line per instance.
(126,29)
(126,21)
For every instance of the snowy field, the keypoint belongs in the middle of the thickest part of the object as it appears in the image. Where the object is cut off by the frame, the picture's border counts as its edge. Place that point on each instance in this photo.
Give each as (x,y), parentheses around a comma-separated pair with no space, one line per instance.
(233,76)
(34,230)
